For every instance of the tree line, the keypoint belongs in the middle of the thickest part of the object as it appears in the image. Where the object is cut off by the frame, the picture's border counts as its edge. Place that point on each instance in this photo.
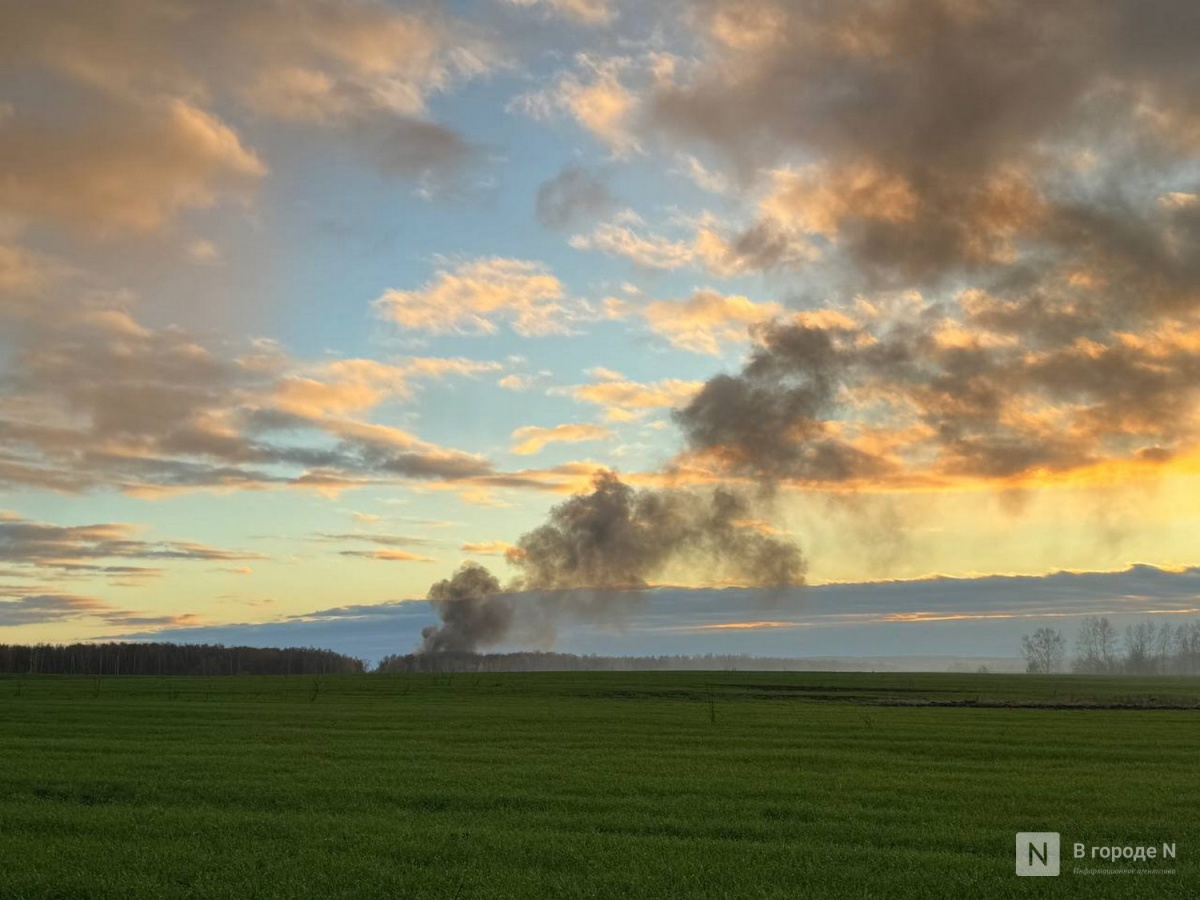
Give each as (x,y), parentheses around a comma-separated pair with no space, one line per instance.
(172,659)
(548,661)
(1144,648)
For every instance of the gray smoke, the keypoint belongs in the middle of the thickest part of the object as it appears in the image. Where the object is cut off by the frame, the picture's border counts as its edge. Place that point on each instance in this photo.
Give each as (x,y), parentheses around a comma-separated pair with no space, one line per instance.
(619,537)
(572,196)
(783,417)
(473,612)
(595,547)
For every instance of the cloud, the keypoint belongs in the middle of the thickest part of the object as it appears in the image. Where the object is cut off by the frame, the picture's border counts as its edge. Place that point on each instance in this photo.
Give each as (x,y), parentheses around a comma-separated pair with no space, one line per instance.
(95,398)
(702,243)
(132,171)
(587,12)
(388,555)
(624,400)
(519,382)
(532,439)
(414,148)
(704,177)
(595,97)
(73,547)
(487,548)
(24,272)
(973,389)
(386,540)
(573,195)
(354,385)
(945,137)
(707,319)
(481,490)
(137,96)
(39,609)
(49,608)
(649,251)
(471,297)
(312,60)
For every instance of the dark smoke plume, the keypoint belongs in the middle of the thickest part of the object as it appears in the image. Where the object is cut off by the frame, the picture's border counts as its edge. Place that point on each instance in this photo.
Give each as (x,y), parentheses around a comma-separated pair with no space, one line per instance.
(598,545)
(472,613)
(619,537)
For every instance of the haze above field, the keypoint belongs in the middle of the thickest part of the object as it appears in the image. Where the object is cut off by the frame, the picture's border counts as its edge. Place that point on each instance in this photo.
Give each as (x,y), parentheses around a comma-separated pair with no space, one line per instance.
(302,304)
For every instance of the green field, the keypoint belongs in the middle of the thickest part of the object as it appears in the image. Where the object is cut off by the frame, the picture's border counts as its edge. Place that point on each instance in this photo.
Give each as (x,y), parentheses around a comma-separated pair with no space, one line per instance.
(590,785)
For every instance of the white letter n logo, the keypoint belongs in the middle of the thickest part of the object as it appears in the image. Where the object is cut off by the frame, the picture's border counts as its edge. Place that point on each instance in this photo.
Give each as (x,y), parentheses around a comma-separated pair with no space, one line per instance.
(1037,853)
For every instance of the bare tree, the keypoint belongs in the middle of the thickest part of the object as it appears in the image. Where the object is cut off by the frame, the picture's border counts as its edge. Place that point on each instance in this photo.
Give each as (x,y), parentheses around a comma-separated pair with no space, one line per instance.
(1187,648)
(1139,649)
(1096,647)
(1044,651)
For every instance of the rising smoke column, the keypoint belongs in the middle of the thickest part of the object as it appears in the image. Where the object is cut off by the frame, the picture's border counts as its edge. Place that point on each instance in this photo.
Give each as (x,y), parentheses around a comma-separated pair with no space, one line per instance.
(472,612)
(620,537)
(605,542)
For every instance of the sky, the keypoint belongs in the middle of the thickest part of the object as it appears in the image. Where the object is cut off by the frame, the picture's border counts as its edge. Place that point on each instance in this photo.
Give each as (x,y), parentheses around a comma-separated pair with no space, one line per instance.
(304,303)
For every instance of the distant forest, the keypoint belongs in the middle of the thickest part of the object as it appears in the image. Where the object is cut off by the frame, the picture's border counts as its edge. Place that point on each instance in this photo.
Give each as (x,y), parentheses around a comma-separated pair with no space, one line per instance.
(173,659)
(540,661)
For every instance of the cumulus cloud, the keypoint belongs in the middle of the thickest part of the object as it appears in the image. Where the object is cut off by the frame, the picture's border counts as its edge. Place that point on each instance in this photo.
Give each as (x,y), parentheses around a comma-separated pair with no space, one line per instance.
(353,385)
(624,400)
(595,95)
(1041,158)
(651,251)
(945,136)
(134,99)
(309,60)
(701,243)
(471,297)
(707,320)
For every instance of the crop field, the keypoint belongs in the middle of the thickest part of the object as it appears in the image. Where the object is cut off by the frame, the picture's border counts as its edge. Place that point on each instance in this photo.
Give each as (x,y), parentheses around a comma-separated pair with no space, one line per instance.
(722,784)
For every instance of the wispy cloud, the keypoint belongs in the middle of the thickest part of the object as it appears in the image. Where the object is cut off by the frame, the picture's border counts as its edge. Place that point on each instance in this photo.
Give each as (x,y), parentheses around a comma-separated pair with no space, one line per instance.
(531,439)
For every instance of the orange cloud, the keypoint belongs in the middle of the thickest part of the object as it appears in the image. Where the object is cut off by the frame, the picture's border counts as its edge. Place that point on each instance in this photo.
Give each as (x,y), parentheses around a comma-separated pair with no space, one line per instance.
(388,555)
(746,626)
(624,400)
(588,12)
(470,298)
(532,438)
(706,320)
(130,172)
(595,97)
(488,548)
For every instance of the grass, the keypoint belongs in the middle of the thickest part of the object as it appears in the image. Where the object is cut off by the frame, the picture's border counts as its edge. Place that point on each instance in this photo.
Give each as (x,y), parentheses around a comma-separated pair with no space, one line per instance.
(654,785)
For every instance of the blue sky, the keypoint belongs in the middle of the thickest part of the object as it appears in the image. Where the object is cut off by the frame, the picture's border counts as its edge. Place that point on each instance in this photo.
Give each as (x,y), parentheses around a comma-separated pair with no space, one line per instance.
(302,304)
